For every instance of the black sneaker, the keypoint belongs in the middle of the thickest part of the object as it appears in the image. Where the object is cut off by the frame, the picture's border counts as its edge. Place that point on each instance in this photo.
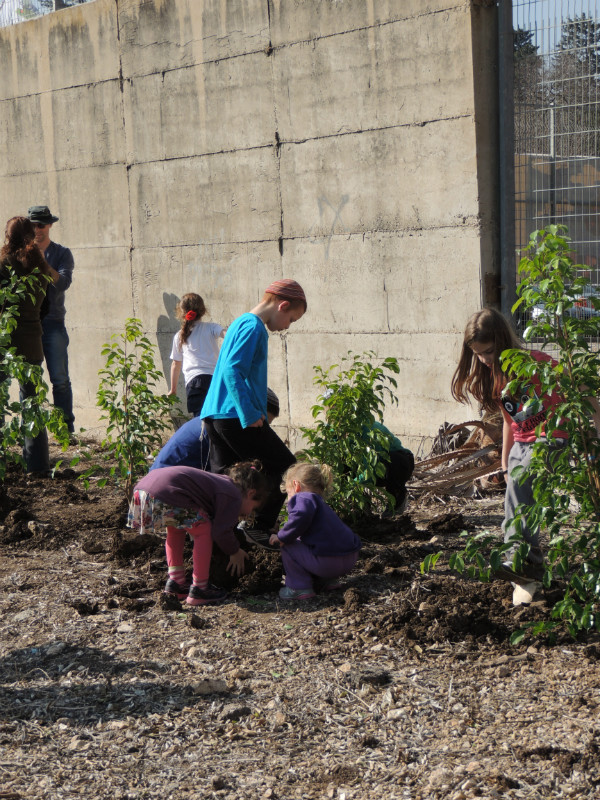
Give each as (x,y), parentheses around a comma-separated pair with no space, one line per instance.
(260,539)
(210,596)
(180,591)
(529,573)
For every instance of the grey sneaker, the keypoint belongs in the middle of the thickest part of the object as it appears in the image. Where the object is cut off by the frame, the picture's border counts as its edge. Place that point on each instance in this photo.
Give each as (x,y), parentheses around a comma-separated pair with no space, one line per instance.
(286,593)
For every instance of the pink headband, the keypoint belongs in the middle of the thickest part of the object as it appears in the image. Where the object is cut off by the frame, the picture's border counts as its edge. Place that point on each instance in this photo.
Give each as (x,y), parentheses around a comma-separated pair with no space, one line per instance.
(287,289)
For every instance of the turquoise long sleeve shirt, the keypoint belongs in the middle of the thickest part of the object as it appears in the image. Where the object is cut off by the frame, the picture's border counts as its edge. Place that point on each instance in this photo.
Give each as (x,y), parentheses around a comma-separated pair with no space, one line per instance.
(239,384)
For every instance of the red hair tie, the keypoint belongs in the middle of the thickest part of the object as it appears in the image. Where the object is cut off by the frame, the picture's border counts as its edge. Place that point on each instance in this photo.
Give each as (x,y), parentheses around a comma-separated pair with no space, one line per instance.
(191,315)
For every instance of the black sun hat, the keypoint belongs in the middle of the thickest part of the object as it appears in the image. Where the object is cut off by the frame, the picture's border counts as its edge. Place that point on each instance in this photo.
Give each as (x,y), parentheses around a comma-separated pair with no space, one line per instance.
(41,215)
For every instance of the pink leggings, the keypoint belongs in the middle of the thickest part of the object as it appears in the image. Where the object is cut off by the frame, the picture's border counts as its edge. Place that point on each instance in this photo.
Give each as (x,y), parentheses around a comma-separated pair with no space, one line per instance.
(203,544)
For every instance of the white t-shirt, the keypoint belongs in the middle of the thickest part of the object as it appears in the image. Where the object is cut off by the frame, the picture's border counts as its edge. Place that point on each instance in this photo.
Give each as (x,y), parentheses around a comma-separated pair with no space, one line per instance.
(199,354)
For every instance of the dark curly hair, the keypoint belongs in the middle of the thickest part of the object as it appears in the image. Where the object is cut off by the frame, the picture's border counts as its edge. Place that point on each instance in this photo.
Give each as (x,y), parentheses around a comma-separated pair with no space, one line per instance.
(249,475)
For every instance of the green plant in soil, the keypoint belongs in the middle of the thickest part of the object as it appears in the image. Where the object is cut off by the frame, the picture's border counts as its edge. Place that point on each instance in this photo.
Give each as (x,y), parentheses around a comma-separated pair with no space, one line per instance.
(28,418)
(137,415)
(566,486)
(352,396)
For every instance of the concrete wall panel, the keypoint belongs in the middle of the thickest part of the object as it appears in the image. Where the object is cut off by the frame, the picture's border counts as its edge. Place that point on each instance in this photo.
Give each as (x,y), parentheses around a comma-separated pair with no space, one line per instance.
(182,113)
(192,32)
(352,183)
(93,206)
(98,270)
(74,140)
(99,273)
(297,20)
(220,198)
(21,135)
(367,81)
(430,368)
(79,198)
(72,48)
(386,282)
(210,270)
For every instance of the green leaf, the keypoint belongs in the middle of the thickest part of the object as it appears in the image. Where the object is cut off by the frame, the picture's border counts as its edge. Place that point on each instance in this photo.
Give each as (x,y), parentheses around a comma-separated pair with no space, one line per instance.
(517,636)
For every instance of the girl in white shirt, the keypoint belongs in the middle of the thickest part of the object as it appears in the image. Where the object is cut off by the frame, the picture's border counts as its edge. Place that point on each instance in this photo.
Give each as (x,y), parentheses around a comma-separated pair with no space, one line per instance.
(195,350)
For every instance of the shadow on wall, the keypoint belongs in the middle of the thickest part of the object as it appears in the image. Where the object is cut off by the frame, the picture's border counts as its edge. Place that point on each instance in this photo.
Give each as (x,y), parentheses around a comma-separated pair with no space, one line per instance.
(166,327)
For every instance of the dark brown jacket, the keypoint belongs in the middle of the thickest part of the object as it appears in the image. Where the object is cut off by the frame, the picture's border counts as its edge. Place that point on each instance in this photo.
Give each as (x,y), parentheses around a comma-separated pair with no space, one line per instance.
(27,336)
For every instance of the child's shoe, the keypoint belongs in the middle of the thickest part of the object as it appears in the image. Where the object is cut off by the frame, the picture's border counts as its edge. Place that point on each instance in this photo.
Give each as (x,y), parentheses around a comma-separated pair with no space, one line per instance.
(286,593)
(179,590)
(210,596)
(524,593)
(260,539)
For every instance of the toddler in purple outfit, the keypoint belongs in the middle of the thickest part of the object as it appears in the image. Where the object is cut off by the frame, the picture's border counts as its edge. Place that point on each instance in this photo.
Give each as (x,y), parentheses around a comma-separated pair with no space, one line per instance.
(314,541)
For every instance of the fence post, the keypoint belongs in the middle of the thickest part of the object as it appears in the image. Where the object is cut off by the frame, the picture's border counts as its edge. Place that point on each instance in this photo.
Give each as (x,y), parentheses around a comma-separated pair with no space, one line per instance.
(507,157)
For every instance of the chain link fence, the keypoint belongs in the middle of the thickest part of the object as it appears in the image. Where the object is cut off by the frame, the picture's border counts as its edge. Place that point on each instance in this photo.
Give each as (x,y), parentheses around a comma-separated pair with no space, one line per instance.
(556,51)
(14,11)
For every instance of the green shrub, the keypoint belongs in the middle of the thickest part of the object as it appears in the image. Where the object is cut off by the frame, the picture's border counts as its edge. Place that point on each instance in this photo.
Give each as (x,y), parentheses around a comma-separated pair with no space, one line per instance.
(351,398)
(137,417)
(566,487)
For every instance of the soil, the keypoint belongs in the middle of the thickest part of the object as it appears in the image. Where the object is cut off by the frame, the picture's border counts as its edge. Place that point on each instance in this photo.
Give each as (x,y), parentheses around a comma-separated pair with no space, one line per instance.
(400,685)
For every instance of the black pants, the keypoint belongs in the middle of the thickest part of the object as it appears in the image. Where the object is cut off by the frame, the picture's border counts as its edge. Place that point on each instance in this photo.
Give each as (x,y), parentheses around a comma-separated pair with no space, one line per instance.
(398,471)
(230,444)
(196,391)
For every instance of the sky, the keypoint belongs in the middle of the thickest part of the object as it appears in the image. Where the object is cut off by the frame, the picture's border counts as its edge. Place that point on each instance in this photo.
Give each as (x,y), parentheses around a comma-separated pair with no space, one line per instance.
(543,17)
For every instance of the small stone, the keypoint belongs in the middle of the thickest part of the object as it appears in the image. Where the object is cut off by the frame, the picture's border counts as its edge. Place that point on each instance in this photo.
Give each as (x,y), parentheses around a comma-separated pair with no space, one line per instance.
(125,627)
(55,649)
(240,674)
(210,686)
(23,615)
(235,712)
(116,724)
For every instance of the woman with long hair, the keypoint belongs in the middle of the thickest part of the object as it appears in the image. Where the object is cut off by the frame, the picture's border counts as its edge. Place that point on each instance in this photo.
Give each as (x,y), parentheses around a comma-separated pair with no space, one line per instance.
(20,257)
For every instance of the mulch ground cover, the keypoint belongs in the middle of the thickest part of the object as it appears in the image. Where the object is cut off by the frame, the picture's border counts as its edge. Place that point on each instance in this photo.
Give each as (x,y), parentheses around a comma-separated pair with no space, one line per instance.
(400,685)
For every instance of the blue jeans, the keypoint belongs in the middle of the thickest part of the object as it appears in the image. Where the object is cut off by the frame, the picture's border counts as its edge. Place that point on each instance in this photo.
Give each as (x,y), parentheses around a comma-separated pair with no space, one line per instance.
(35,451)
(55,341)
(521,493)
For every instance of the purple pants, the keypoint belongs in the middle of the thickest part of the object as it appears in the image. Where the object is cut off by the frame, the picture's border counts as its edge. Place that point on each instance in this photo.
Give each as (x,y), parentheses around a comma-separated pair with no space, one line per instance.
(301,565)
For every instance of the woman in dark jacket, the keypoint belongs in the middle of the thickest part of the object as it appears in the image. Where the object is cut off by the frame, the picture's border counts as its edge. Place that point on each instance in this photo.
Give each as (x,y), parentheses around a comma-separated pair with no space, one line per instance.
(21,256)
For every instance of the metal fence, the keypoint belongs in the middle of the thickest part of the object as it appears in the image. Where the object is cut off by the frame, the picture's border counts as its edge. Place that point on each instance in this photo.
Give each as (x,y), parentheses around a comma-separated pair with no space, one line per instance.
(14,11)
(556,62)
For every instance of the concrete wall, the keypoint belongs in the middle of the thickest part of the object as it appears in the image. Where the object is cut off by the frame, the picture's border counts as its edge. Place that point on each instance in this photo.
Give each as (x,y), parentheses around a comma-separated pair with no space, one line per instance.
(200,145)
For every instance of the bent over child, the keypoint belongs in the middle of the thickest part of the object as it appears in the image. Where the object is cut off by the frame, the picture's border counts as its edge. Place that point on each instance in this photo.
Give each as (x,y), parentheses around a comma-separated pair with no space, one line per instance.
(315,543)
(207,507)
